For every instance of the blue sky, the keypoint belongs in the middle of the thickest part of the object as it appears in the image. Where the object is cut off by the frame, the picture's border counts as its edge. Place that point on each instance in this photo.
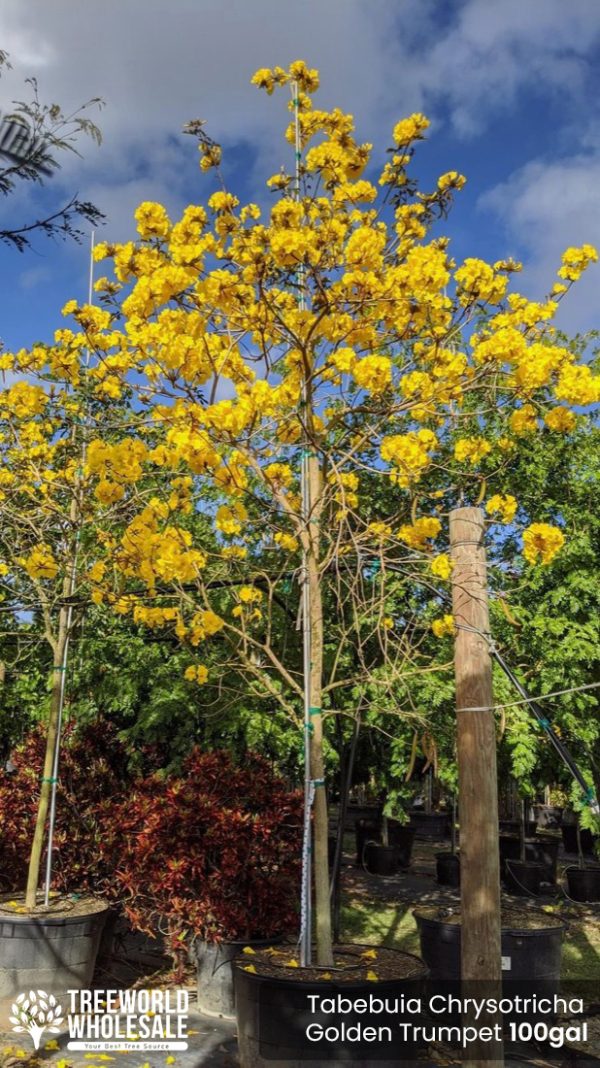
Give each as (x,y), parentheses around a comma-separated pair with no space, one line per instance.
(511,89)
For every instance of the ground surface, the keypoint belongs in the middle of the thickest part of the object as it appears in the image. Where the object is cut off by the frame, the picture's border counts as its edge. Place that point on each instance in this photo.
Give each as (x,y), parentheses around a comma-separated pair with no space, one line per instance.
(375,910)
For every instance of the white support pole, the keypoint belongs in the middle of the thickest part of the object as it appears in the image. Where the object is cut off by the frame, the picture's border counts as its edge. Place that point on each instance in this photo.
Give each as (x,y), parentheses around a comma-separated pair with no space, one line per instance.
(63,666)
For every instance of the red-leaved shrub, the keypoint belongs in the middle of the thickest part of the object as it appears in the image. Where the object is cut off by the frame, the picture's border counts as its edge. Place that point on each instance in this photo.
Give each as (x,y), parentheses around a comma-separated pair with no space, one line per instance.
(214,853)
(95,772)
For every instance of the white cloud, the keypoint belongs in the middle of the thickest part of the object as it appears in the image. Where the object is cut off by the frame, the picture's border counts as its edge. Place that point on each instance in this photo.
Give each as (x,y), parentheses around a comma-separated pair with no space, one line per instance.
(158,64)
(545,207)
(34,277)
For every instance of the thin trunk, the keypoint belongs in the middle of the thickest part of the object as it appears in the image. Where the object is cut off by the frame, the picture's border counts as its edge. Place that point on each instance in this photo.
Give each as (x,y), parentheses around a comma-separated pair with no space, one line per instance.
(37,847)
(59,649)
(320,825)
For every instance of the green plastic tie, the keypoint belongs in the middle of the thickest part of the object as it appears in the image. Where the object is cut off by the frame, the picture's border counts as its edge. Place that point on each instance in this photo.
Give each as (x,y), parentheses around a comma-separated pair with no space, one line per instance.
(314,710)
(545,723)
(318,782)
(58,667)
(46,779)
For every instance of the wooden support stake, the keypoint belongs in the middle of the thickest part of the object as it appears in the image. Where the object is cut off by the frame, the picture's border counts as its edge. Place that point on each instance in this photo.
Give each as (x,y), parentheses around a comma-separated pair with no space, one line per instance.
(481,959)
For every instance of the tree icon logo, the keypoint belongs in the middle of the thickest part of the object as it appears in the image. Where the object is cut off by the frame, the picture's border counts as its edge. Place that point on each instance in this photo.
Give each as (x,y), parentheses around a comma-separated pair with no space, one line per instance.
(35,1013)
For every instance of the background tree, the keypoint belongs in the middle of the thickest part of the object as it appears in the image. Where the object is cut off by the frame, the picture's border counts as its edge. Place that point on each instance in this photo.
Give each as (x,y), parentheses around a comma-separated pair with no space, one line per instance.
(33,137)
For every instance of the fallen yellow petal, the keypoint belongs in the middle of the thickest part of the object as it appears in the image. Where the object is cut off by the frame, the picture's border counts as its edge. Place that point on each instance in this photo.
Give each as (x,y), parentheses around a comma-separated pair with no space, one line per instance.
(250,968)
(369,954)
(372,977)
(249,951)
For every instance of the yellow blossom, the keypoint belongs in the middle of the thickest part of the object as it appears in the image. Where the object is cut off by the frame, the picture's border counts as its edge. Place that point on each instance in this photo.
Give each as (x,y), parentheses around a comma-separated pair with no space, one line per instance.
(197,674)
(286,541)
(420,532)
(441,566)
(443,626)
(471,450)
(410,129)
(504,508)
(542,540)
(560,419)
(40,564)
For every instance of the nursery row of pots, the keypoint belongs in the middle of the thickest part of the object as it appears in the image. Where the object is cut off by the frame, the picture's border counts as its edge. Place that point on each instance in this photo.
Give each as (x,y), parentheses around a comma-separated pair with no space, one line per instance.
(526,878)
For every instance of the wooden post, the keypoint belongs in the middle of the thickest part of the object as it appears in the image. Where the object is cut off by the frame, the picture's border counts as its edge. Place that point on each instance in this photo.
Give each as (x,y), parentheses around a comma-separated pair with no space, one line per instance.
(481,959)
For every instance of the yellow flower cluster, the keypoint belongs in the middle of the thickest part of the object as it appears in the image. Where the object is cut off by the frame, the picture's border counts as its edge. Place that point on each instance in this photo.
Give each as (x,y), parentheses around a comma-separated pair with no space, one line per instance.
(502,507)
(152,220)
(524,420)
(203,625)
(575,261)
(542,541)
(577,385)
(373,373)
(410,129)
(230,518)
(153,554)
(441,566)
(477,281)
(410,455)
(417,534)
(471,450)
(196,673)
(443,626)
(560,419)
(25,400)
(40,563)
(286,541)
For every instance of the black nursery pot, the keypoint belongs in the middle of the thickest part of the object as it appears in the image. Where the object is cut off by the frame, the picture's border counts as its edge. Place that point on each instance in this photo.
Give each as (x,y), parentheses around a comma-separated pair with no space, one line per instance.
(56,952)
(274,1012)
(584,883)
(514,827)
(433,825)
(447,866)
(548,816)
(380,859)
(531,955)
(401,836)
(569,837)
(523,877)
(365,830)
(541,849)
(216,995)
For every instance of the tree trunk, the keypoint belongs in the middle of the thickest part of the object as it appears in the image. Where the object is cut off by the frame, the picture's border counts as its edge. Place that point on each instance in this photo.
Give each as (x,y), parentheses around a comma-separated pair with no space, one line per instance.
(320,823)
(37,847)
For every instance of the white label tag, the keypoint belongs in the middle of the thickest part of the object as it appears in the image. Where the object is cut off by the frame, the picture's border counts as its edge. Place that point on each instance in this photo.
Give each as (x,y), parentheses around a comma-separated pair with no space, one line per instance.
(506,964)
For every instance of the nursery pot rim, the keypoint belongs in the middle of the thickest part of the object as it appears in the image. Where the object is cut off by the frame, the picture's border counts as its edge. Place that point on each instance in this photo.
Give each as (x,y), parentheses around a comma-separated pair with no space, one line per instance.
(296,979)
(266,940)
(523,932)
(55,918)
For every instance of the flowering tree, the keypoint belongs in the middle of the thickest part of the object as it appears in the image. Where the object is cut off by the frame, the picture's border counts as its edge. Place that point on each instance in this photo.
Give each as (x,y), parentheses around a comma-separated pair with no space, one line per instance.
(321,386)
(50,509)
